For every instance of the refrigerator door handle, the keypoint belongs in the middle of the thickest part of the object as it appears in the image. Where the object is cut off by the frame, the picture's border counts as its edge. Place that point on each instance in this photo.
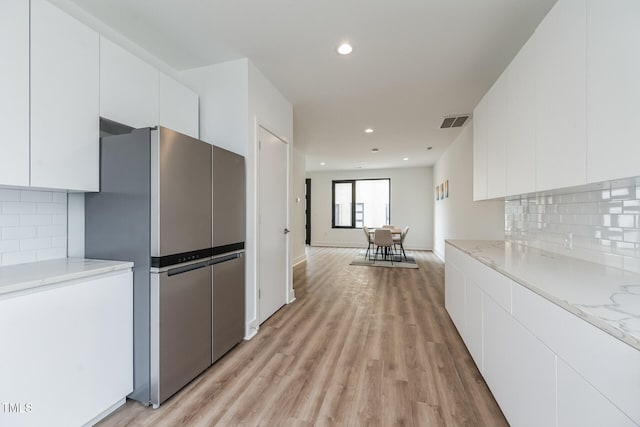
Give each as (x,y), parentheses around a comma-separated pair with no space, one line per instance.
(187,268)
(225,258)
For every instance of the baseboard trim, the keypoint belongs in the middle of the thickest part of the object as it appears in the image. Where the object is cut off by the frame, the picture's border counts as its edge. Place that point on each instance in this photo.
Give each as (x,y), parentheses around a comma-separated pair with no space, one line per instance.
(439,255)
(360,245)
(292,296)
(301,259)
(251,329)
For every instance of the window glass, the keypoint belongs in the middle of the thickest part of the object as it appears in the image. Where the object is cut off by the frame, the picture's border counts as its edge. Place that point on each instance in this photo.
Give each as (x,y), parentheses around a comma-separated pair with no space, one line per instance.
(372,196)
(369,206)
(342,204)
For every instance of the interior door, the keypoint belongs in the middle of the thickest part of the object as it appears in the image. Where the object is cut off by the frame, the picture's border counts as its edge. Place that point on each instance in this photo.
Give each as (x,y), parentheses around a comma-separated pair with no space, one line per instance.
(273,220)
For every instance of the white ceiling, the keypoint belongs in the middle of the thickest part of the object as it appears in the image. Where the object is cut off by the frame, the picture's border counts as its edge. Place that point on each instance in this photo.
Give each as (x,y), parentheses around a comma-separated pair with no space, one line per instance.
(414,61)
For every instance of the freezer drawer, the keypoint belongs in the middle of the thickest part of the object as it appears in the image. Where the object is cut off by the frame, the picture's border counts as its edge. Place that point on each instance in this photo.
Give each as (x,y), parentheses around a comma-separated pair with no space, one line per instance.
(228,303)
(180,328)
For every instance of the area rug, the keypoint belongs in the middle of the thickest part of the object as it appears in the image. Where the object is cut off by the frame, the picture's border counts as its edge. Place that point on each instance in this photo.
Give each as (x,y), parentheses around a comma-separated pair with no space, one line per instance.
(398,261)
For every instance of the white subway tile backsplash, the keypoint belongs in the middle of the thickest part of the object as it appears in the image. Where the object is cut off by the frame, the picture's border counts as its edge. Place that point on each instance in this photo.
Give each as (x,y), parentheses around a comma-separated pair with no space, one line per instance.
(52,208)
(59,197)
(598,224)
(9,195)
(19,208)
(33,225)
(9,220)
(9,245)
(59,219)
(52,231)
(38,243)
(12,233)
(35,196)
(35,219)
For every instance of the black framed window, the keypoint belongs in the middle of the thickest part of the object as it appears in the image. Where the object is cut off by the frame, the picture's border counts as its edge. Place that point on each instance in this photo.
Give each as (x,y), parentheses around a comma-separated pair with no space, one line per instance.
(360,202)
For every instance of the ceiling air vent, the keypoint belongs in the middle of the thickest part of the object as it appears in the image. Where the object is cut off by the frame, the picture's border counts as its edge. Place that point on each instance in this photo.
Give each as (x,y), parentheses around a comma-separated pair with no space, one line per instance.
(453,121)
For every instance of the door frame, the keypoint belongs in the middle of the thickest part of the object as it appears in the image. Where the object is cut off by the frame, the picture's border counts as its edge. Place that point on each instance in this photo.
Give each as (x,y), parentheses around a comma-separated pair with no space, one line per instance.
(288,289)
(307,211)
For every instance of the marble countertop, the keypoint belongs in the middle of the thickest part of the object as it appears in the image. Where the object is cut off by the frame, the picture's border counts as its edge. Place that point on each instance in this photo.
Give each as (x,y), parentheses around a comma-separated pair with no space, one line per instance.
(606,297)
(25,277)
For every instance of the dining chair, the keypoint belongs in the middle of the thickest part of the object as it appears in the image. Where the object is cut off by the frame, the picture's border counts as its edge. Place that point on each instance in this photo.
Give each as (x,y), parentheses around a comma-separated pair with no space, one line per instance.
(400,241)
(367,234)
(383,239)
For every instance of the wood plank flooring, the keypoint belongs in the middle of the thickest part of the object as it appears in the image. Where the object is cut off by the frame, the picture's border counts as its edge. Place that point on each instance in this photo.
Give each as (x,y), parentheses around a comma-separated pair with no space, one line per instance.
(359,346)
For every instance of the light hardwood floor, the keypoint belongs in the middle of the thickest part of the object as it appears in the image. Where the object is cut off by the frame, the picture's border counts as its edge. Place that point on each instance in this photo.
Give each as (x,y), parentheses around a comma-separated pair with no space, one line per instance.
(359,346)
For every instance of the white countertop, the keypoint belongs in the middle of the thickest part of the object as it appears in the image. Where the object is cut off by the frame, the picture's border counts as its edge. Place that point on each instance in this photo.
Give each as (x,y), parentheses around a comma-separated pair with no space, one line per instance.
(606,297)
(23,277)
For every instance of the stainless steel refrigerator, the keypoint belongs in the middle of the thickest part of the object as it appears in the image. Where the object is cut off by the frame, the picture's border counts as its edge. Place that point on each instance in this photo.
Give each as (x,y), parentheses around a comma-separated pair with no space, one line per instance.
(155,207)
(228,238)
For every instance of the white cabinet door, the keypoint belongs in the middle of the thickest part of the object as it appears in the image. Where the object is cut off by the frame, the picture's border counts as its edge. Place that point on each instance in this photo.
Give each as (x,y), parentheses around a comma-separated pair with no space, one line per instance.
(614,89)
(561,128)
(497,139)
(473,321)
(519,369)
(74,342)
(480,135)
(610,365)
(128,87)
(454,296)
(64,100)
(520,124)
(178,107)
(581,405)
(14,90)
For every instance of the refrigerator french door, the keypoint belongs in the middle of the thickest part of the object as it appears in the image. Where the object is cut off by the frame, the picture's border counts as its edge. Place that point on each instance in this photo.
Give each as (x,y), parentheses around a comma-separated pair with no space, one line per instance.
(228,297)
(154,208)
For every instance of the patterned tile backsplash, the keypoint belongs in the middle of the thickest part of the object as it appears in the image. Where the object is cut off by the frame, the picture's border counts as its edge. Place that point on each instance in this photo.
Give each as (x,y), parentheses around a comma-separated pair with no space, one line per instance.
(33,226)
(598,222)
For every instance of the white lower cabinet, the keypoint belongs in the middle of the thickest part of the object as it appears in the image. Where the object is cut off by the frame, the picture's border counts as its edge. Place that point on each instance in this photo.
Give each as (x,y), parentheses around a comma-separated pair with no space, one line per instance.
(544,365)
(454,296)
(67,352)
(474,322)
(581,405)
(519,369)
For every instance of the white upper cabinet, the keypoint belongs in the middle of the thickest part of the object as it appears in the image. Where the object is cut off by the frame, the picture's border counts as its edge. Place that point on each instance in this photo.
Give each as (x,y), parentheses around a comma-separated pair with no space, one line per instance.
(178,107)
(560,101)
(521,129)
(480,141)
(64,100)
(128,87)
(14,87)
(497,139)
(614,89)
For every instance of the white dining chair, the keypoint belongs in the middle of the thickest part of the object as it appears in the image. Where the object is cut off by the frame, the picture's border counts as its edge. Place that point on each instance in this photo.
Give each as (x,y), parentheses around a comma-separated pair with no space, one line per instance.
(399,240)
(383,239)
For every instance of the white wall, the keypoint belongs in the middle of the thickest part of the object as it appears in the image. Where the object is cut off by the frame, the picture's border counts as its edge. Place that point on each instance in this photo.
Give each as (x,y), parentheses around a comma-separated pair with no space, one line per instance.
(459,217)
(411,205)
(298,203)
(236,98)
(224,99)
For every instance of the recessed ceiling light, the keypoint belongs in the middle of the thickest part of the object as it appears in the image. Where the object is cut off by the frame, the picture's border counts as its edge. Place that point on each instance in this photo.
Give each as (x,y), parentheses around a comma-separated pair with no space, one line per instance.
(322,163)
(374,150)
(429,148)
(345,49)
(368,130)
(405,158)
